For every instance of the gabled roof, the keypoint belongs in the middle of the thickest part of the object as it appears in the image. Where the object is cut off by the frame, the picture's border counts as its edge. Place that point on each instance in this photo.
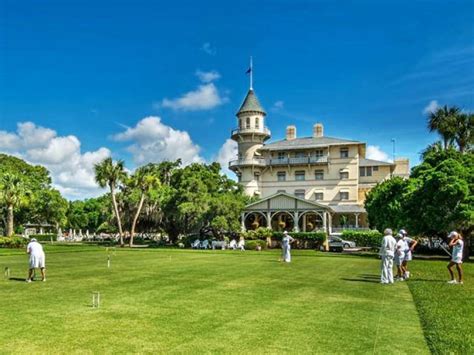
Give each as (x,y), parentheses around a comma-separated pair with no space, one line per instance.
(251,104)
(371,162)
(303,203)
(307,142)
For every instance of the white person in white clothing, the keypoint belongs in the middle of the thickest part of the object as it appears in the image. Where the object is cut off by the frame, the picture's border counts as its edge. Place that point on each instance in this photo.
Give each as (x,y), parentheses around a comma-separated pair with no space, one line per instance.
(387,252)
(457,244)
(37,259)
(410,245)
(286,246)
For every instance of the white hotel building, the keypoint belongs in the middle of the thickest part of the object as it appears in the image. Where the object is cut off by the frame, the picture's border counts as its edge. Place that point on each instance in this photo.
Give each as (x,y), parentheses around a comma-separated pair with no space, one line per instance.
(304,184)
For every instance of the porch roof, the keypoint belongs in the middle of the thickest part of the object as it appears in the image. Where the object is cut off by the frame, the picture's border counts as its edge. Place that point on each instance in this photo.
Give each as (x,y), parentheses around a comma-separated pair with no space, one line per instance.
(348,209)
(284,201)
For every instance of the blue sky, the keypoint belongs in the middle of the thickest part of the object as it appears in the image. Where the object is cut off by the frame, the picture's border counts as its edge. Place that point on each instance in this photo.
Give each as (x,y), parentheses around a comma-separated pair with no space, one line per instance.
(85,74)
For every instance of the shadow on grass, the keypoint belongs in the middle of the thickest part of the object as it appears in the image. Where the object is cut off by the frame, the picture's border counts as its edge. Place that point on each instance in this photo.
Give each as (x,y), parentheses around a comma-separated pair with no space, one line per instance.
(369,280)
(17,279)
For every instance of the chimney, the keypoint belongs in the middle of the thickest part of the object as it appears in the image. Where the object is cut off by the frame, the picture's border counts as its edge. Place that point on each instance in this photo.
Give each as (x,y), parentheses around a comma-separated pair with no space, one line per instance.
(290,133)
(318,130)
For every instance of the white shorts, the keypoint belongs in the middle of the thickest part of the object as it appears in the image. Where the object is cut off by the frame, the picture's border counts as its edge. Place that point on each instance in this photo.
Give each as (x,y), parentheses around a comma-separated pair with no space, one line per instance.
(37,261)
(408,256)
(456,259)
(398,259)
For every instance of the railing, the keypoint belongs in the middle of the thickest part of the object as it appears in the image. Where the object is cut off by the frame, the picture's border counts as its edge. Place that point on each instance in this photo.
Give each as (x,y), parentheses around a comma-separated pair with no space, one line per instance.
(240,162)
(263,130)
(284,161)
(298,161)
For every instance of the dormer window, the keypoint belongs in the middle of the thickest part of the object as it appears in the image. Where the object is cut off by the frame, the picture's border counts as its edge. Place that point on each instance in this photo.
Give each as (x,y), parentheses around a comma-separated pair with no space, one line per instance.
(257,123)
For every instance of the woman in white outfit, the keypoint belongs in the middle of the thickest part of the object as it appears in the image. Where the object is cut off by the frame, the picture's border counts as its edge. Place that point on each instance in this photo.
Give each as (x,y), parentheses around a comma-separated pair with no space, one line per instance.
(37,259)
(286,246)
(457,244)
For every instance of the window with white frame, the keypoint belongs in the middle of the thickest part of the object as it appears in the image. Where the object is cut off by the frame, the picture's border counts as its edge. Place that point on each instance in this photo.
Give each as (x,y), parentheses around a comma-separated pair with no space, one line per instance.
(300,175)
(344,152)
(375,168)
(257,122)
(362,171)
(281,176)
(247,123)
(319,196)
(319,153)
(299,193)
(281,155)
(256,177)
(344,174)
(365,171)
(319,174)
(344,195)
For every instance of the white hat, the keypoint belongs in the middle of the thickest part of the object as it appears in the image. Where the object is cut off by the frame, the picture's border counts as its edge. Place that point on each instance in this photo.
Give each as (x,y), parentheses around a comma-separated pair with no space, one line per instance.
(452,234)
(403,232)
(399,235)
(285,232)
(33,240)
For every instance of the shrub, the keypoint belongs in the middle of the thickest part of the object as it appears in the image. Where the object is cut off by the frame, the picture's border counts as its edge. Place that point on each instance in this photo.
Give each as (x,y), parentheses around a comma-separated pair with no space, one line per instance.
(252,244)
(364,238)
(44,237)
(13,242)
(303,236)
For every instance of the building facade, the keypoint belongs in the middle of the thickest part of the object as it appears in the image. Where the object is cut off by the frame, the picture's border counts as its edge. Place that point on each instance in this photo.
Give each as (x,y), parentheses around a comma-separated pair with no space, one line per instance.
(326,177)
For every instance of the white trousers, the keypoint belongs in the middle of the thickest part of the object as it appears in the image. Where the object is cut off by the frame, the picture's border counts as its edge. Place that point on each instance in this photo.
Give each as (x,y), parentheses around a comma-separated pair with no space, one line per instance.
(387,269)
(287,254)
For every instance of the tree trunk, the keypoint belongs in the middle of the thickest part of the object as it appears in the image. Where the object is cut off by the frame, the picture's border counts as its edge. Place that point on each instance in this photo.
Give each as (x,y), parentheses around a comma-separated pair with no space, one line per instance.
(10,221)
(117,215)
(135,219)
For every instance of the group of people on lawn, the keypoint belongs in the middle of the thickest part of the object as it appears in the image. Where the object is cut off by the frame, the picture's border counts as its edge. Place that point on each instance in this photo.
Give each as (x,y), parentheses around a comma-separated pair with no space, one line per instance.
(399,251)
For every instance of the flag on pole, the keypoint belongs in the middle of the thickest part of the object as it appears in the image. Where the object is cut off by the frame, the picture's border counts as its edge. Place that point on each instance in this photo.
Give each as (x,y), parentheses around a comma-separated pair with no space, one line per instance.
(249,70)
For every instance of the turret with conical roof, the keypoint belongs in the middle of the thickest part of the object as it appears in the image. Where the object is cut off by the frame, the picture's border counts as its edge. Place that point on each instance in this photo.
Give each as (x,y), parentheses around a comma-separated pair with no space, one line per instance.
(250,135)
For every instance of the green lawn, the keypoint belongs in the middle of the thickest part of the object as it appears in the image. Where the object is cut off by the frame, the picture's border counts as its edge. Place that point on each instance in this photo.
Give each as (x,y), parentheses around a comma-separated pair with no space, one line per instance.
(186,301)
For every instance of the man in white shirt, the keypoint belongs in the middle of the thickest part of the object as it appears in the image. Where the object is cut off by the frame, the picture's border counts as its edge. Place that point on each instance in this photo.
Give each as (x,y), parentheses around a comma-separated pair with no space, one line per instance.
(37,259)
(457,244)
(387,252)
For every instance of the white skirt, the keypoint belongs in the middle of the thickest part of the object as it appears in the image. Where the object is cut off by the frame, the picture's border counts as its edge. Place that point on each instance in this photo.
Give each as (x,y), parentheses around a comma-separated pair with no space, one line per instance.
(37,261)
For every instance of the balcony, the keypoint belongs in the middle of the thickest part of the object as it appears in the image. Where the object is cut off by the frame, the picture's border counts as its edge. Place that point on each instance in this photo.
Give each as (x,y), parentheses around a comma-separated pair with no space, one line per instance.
(247,162)
(277,162)
(297,161)
(259,131)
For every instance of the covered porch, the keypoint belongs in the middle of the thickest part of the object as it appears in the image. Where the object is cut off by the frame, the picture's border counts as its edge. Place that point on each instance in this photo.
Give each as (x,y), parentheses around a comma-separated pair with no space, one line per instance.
(283,211)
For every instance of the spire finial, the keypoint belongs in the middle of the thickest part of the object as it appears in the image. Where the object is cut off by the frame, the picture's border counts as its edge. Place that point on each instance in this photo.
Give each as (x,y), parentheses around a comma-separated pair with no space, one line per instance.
(251,74)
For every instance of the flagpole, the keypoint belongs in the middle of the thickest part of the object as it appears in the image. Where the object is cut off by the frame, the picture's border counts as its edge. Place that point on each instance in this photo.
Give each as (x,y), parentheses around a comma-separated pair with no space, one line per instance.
(251,74)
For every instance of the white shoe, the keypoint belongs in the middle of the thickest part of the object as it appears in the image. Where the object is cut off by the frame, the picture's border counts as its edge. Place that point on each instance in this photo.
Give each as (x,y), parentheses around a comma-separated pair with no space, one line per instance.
(407,275)
(44,280)
(460,283)
(452,282)
(28,280)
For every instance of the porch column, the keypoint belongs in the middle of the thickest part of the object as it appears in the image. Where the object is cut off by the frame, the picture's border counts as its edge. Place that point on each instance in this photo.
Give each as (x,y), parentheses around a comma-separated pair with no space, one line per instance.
(295,222)
(330,223)
(325,216)
(242,222)
(304,222)
(356,220)
(269,220)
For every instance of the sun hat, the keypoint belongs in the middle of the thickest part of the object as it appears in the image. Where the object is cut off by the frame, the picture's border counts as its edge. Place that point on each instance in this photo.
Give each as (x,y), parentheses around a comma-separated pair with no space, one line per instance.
(33,240)
(403,232)
(452,234)
(285,232)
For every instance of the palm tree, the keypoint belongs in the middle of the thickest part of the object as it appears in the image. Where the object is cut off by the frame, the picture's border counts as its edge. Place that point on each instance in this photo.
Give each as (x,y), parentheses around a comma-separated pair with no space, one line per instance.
(12,193)
(443,121)
(464,136)
(144,181)
(109,174)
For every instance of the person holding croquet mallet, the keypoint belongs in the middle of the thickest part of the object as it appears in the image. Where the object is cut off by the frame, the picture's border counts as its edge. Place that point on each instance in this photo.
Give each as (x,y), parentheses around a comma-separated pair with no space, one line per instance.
(456,242)
(410,245)
(37,259)
(399,257)
(286,246)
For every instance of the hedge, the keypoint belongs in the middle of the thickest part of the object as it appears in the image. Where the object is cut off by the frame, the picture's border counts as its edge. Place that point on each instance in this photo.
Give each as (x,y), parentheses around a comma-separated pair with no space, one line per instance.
(44,237)
(252,244)
(303,236)
(13,242)
(364,238)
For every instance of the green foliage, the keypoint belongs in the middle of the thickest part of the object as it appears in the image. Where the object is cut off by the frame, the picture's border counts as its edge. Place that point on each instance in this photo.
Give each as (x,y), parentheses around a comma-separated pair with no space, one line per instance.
(261,233)
(303,236)
(364,238)
(90,214)
(44,237)
(384,204)
(252,244)
(13,242)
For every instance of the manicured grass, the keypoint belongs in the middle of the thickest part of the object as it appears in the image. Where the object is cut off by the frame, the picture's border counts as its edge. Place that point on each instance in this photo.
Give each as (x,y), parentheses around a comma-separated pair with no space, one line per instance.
(183,301)
(446,311)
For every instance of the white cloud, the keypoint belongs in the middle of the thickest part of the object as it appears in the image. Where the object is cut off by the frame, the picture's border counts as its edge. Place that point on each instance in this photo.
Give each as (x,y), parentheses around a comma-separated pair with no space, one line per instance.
(153,141)
(226,153)
(205,97)
(374,152)
(207,77)
(72,172)
(278,105)
(431,107)
(207,48)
